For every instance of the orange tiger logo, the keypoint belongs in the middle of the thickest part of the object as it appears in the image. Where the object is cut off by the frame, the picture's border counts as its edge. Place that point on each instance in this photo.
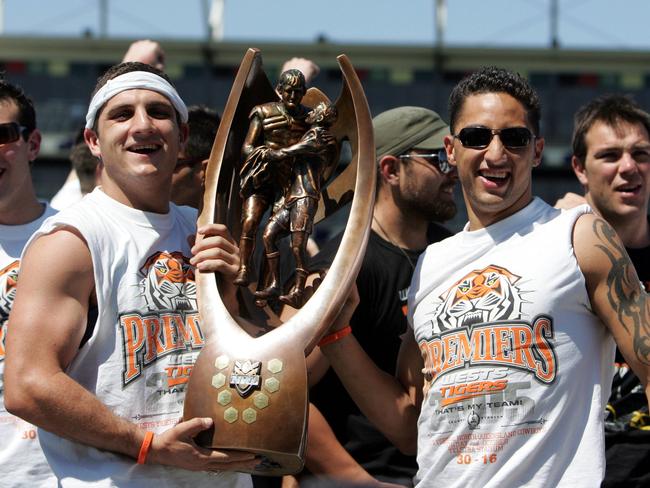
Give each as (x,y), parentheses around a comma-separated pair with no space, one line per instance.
(484,295)
(168,282)
(8,282)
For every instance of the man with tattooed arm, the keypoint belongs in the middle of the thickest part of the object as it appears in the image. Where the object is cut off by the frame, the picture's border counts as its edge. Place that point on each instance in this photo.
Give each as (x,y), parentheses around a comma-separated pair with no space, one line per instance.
(611,159)
(506,368)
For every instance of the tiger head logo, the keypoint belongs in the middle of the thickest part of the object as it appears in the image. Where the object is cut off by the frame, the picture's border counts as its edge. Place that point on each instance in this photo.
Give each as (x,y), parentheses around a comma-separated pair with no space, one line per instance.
(168,282)
(8,282)
(484,295)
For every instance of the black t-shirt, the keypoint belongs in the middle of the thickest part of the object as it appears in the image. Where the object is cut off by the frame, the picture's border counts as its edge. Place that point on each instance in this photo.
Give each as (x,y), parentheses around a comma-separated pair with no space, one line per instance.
(641,260)
(377,324)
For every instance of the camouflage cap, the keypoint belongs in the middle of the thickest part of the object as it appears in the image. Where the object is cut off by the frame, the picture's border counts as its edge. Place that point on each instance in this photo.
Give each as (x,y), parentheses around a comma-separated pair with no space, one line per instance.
(403,128)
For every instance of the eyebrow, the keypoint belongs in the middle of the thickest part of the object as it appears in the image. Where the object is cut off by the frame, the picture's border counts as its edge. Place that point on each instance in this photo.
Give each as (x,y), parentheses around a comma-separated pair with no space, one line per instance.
(160,104)
(616,147)
(118,108)
(620,145)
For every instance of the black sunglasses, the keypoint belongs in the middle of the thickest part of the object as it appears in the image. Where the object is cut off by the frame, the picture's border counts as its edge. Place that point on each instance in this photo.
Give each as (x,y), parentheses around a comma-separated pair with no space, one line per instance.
(437,159)
(480,137)
(11,132)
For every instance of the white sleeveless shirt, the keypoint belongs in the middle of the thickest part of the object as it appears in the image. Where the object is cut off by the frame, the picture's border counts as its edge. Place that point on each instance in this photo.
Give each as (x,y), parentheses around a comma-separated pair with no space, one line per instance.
(146,338)
(517,367)
(21,460)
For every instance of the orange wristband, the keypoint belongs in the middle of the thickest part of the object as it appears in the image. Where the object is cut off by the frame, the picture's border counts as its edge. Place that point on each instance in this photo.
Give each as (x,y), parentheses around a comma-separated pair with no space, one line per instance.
(144,448)
(335,336)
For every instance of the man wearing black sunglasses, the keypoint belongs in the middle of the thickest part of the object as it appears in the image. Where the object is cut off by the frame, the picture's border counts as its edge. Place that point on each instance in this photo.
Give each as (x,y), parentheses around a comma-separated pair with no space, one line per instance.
(415,185)
(21,213)
(505,371)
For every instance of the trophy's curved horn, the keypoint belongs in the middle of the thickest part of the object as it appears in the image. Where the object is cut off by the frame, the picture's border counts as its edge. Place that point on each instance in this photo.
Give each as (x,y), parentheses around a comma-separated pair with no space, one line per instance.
(313,319)
(221,201)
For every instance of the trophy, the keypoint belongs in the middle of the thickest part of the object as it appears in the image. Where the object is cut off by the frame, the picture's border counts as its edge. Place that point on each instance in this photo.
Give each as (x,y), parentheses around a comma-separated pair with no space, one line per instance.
(276,153)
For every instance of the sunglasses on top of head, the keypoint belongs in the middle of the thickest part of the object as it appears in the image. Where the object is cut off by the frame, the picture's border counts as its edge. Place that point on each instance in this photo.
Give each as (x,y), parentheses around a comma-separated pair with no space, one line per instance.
(11,132)
(437,159)
(480,137)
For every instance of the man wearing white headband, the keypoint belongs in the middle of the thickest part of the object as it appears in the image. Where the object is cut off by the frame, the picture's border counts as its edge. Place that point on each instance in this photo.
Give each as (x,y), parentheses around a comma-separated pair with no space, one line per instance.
(116,329)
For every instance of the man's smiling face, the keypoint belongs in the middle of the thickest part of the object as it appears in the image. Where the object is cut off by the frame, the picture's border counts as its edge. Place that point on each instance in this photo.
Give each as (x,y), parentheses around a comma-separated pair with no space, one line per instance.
(137,136)
(496,179)
(15,175)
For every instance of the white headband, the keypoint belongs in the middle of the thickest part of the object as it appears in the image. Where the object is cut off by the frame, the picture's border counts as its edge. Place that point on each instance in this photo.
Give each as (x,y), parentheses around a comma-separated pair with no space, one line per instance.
(133,80)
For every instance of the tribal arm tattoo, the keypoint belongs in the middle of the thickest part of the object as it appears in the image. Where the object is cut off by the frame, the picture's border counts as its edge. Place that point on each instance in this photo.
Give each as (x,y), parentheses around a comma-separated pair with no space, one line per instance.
(624,291)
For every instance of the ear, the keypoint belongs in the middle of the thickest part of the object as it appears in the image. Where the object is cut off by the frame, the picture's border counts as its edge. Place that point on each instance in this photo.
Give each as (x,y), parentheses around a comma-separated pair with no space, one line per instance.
(389,170)
(92,140)
(184,133)
(580,171)
(449,149)
(204,168)
(539,149)
(34,144)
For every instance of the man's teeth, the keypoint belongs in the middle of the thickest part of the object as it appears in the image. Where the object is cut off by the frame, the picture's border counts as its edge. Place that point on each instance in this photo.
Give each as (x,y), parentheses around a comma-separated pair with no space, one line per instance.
(494,174)
(144,148)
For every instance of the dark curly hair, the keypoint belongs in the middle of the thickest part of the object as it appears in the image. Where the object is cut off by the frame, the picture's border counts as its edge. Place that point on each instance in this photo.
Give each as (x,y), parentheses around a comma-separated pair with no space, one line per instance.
(203,122)
(492,79)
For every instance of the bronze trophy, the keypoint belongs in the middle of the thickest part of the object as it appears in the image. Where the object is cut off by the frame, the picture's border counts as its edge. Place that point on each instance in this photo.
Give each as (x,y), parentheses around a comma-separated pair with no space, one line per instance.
(276,151)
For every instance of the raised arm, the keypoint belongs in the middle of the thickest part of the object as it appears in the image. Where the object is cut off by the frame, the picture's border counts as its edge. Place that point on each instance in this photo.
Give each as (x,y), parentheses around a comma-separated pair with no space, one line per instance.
(146,51)
(325,456)
(615,291)
(391,403)
(48,322)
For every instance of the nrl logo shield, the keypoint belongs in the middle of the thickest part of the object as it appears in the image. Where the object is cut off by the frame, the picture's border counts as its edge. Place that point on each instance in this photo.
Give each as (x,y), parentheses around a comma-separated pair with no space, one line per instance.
(245,376)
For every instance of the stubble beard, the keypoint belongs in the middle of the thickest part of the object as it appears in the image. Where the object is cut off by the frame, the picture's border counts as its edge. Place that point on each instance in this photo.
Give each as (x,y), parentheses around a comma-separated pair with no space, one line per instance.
(430,208)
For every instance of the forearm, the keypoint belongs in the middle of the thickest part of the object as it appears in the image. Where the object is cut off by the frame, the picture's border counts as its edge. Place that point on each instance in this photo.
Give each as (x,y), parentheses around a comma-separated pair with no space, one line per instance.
(81,417)
(77,415)
(317,366)
(299,149)
(325,456)
(379,395)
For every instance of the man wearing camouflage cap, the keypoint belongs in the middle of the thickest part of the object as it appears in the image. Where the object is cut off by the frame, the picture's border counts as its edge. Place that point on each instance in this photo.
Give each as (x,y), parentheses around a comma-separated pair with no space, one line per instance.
(414,189)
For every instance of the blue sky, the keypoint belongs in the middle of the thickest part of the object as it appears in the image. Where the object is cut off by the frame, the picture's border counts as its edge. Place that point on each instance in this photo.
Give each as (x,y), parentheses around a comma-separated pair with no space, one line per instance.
(582,23)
